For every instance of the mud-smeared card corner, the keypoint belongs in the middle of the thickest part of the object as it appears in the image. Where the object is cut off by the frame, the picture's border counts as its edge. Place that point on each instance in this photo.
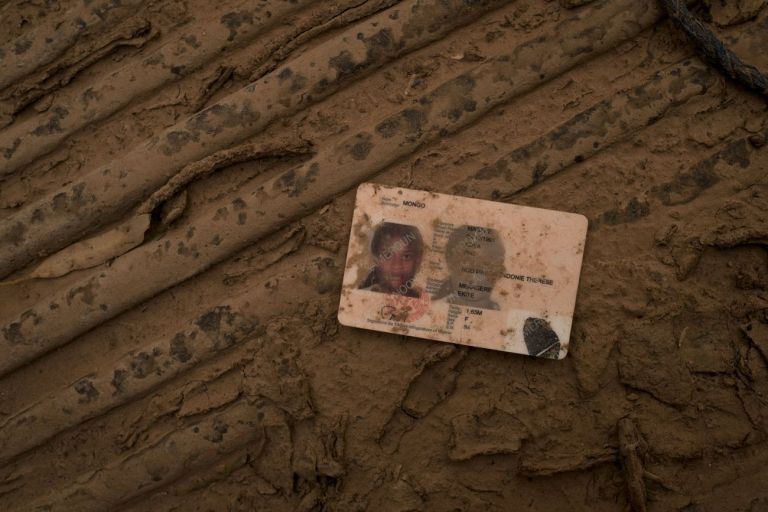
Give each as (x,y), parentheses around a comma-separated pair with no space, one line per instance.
(461,270)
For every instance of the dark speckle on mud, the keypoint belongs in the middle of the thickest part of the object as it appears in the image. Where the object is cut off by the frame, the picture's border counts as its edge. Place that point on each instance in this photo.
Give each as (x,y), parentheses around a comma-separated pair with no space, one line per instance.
(185,250)
(361,146)
(16,234)
(22,46)
(221,214)
(12,333)
(494,170)
(296,181)
(118,378)
(217,433)
(234,20)
(86,388)
(9,151)
(142,365)
(79,198)
(538,171)
(192,41)
(378,46)
(175,141)
(211,321)
(634,210)
(737,153)
(389,127)
(49,128)
(179,349)
(343,64)
(414,119)
(298,83)
(465,82)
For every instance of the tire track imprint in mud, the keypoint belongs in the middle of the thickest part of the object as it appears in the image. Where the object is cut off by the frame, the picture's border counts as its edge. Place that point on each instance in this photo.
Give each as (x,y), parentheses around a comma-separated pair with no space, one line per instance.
(72,211)
(256,399)
(52,38)
(170,62)
(268,206)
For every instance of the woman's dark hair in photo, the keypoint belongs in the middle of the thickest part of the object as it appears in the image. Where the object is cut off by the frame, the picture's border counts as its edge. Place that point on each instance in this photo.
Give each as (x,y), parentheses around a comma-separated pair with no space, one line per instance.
(393,230)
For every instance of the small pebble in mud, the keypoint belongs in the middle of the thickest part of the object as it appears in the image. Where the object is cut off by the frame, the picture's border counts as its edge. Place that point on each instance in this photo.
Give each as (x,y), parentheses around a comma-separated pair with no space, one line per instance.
(219,429)
(757,140)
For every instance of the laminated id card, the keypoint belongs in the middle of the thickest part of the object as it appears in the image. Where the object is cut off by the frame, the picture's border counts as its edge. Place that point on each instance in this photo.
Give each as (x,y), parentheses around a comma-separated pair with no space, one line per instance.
(467,271)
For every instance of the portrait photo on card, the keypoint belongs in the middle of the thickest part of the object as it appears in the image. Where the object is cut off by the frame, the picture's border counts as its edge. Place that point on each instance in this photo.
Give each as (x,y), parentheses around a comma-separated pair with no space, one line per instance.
(396,251)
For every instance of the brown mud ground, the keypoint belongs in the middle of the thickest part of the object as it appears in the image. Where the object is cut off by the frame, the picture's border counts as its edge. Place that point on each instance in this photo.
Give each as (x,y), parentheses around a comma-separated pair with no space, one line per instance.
(215,376)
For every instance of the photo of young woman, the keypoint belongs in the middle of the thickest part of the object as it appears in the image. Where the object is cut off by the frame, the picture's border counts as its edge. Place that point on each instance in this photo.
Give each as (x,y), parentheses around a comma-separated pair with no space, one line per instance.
(397,250)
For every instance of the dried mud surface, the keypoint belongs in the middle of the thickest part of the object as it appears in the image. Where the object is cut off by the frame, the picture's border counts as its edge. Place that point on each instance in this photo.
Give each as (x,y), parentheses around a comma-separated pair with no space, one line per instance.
(200,366)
